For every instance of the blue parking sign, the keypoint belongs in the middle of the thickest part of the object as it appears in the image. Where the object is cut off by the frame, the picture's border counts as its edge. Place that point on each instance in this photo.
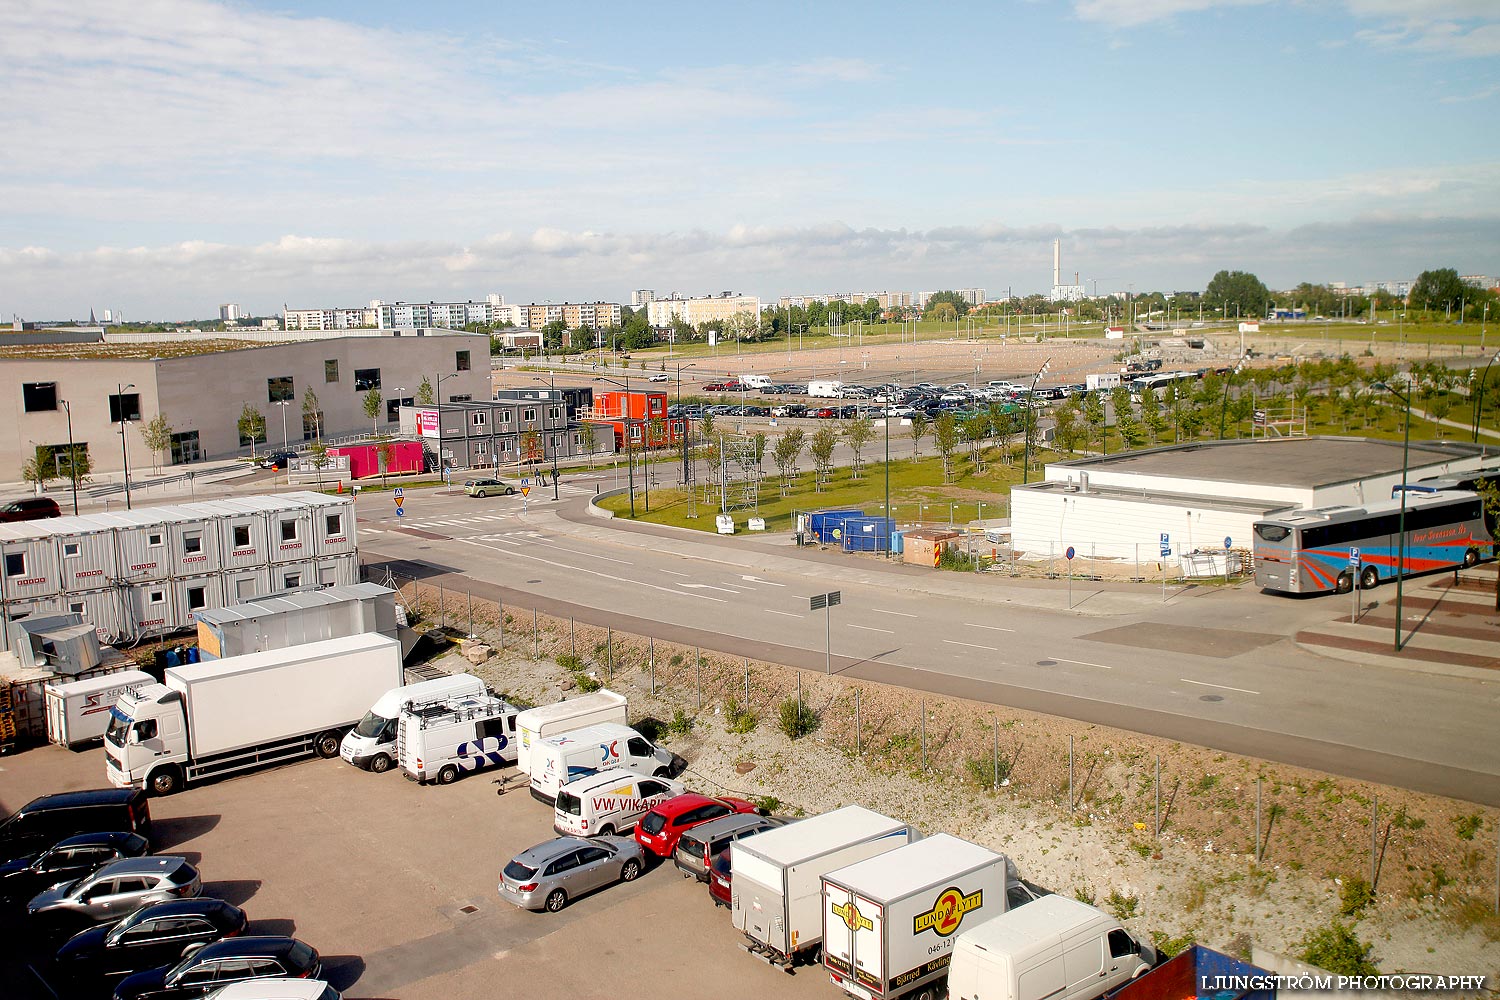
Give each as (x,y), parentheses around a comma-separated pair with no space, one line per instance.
(1166,544)
(1354,558)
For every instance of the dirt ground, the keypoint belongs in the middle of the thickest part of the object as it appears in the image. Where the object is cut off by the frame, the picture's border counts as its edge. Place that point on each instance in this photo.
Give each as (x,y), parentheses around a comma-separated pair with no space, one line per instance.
(1436,858)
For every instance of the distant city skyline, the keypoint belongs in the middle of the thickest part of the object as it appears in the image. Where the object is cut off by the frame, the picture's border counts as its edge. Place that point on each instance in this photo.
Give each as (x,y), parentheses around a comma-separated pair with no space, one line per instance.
(170,158)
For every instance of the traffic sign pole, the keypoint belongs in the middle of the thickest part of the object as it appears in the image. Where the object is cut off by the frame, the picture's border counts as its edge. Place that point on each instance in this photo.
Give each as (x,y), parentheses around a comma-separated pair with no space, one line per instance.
(1070,554)
(1228,542)
(1354,562)
(1166,551)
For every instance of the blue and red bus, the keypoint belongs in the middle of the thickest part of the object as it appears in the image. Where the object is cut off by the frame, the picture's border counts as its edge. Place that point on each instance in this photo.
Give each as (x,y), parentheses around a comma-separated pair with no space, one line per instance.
(1307,551)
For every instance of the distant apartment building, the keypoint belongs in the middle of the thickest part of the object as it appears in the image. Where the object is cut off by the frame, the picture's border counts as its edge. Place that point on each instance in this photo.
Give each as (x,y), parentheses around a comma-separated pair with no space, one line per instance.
(641,296)
(229,312)
(1477,280)
(355,318)
(446,315)
(886,300)
(573,315)
(973,296)
(707,309)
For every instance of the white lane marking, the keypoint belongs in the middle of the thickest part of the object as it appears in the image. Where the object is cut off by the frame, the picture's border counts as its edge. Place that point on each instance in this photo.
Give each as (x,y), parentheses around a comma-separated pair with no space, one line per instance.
(1083,663)
(592,572)
(1222,687)
(868,628)
(756,579)
(539,540)
(673,572)
(903,614)
(992,628)
(955,642)
(788,614)
(708,586)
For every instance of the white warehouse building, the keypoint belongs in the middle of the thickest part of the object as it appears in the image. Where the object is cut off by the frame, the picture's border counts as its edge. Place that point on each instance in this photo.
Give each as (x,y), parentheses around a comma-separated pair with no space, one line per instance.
(1198,495)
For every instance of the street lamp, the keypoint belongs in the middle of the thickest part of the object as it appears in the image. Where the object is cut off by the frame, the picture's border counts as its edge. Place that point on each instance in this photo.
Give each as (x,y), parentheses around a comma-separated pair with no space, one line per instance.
(680,367)
(1401,522)
(72,456)
(1030,418)
(285,441)
(629,462)
(551,391)
(124,452)
(437,400)
(1228,381)
(1479,395)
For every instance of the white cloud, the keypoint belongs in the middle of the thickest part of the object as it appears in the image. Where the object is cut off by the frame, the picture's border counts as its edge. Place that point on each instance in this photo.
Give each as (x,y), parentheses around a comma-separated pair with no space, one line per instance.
(1134,13)
(1462,28)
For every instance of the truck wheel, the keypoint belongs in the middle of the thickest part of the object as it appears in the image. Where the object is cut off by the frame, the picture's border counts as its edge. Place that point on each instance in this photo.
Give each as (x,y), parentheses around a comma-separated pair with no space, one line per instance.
(165,781)
(448,775)
(926,993)
(380,763)
(630,871)
(327,745)
(1369,579)
(556,900)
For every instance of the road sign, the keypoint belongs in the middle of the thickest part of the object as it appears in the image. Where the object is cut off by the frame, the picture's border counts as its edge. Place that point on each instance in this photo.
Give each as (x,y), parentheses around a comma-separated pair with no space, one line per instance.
(832,599)
(525,482)
(1166,544)
(398,493)
(525,491)
(1354,558)
(400,502)
(400,512)
(1070,553)
(1228,543)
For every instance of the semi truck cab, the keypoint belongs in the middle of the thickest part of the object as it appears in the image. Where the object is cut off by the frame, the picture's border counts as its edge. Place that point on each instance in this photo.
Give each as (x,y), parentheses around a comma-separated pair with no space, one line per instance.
(146,738)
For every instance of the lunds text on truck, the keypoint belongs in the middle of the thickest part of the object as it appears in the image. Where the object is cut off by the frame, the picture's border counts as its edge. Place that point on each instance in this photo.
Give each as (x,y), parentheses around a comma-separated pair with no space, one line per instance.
(220,717)
(889,921)
(777,888)
(535,724)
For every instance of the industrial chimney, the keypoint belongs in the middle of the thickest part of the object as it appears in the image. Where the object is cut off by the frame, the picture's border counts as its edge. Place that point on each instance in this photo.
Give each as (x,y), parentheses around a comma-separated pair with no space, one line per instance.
(1056,262)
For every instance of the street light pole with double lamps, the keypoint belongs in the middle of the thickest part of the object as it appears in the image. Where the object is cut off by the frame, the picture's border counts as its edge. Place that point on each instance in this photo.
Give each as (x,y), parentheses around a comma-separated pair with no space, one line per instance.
(124,451)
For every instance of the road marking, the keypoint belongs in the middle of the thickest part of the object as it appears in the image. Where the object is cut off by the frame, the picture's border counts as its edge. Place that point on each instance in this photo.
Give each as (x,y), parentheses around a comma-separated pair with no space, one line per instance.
(1222,687)
(673,572)
(955,642)
(788,614)
(594,572)
(539,540)
(1083,663)
(903,614)
(992,628)
(709,586)
(868,628)
(756,579)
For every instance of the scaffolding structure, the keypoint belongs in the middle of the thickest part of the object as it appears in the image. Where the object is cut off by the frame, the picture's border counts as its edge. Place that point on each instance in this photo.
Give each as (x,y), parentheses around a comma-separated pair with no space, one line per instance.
(739,474)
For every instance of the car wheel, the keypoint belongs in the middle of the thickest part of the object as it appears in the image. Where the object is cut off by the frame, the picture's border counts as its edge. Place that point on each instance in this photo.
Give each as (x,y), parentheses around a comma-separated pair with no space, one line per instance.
(1344,584)
(630,871)
(660,772)
(165,781)
(1471,557)
(448,775)
(327,745)
(606,830)
(556,900)
(381,763)
(1369,579)
(481,494)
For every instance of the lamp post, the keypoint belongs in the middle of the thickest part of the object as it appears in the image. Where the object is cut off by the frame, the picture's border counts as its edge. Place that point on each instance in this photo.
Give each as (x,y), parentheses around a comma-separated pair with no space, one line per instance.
(1401,521)
(1479,394)
(1030,418)
(1228,381)
(625,422)
(437,401)
(887,507)
(680,367)
(285,441)
(72,456)
(124,451)
(551,392)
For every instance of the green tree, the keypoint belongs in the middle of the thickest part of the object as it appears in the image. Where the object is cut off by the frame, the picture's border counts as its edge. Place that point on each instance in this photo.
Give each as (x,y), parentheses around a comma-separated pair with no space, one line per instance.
(588,440)
(35,470)
(317,454)
(371,404)
(976,427)
(822,452)
(948,297)
(857,433)
(1069,429)
(1093,415)
(156,435)
(252,426)
(1003,427)
(785,454)
(1439,289)
(425,395)
(945,436)
(312,409)
(708,425)
(917,430)
(1238,292)
(552,335)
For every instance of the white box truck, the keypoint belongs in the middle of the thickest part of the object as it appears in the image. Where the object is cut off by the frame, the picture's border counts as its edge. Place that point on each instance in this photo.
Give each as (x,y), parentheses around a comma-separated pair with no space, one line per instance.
(371,744)
(557,760)
(1056,947)
(756,381)
(776,888)
(78,711)
(824,389)
(242,712)
(889,921)
(534,724)
(440,741)
(1108,380)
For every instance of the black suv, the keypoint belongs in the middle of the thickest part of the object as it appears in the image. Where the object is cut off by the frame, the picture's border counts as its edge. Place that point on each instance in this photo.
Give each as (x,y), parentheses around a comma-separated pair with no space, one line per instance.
(67,860)
(42,822)
(231,960)
(155,935)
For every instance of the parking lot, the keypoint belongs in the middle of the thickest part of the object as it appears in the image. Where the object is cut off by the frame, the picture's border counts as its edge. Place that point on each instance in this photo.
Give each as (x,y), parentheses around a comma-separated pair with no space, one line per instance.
(395,885)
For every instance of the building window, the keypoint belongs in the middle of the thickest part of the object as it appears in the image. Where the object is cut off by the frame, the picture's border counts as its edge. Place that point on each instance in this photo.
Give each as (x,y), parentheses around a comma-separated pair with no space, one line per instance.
(127,403)
(554,412)
(461,398)
(461,360)
(157,597)
(15,564)
(153,538)
(393,408)
(70,550)
(185,447)
(38,396)
(331,370)
(311,423)
(242,536)
(192,544)
(291,581)
(334,524)
(279,389)
(247,441)
(481,448)
(505,416)
(481,419)
(197,598)
(528,415)
(366,379)
(76,607)
(635,432)
(289,531)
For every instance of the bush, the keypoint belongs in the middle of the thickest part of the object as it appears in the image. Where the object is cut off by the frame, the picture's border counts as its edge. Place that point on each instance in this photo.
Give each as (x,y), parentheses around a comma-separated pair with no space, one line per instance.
(981,770)
(681,723)
(739,719)
(797,718)
(587,684)
(1467,826)
(767,804)
(1354,895)
(1169,947)
(1337,949)
(1123,907)
(569,662)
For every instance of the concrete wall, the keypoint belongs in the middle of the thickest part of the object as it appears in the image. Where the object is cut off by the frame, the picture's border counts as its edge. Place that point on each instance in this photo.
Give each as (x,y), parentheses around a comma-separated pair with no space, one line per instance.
(1043,522)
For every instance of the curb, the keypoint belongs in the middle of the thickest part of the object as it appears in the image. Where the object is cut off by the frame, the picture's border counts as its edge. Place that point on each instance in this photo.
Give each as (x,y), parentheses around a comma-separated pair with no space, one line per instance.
(596,511)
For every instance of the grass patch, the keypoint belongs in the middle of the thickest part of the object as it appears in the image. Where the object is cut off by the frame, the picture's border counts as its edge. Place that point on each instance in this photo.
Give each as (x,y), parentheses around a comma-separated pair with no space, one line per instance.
(1339,950)
(1354,895)
(681,723)
(796,718)
(739,719)
(1123,907)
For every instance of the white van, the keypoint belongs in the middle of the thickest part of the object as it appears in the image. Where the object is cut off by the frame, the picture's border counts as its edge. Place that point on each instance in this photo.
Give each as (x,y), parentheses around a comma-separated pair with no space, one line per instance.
(1055,947)
(756,381)
(560,717)
(826,389)
(610,802)
(372,744)
(557,760)
(441,741)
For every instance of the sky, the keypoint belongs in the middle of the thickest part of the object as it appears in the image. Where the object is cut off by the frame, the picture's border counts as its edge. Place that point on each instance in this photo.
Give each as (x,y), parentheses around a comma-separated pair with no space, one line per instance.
(166,156)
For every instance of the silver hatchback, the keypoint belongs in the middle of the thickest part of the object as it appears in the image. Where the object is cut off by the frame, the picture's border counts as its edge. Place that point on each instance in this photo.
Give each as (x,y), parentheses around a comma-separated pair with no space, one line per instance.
(547,876)
(112,893)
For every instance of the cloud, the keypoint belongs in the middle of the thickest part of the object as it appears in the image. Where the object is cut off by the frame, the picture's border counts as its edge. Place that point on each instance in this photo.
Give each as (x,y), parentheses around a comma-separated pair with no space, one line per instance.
(1463,28)
(1134,13)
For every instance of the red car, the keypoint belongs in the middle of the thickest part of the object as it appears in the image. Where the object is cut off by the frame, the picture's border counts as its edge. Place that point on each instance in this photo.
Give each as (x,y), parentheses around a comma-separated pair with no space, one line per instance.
(659,829)
(823,412)
(719,877)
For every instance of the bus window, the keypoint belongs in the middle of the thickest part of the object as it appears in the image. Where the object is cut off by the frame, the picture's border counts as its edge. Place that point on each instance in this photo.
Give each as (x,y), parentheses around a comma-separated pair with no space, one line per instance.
(1273,532)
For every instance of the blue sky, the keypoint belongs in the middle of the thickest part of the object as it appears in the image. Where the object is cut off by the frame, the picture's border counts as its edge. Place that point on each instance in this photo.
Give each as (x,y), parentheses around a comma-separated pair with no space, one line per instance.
(166,156)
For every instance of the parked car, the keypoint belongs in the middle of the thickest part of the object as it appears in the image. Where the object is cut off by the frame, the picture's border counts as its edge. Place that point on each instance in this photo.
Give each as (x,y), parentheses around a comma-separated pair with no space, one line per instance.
(660,828)
(66,861)
(550,875)
(488,487)
(151,937)
(659,377)
(823,413)
(231,960)
(30,509)
(277,460)
(44,821)
(720,880)
(112,893)
(608,802)
(697,847)
(276,989)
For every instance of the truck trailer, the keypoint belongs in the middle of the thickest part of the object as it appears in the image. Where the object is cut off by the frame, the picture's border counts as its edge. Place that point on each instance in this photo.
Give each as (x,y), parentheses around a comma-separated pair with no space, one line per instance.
(889,922)
(536,724)
(78,711)
(776,893)
(239,713)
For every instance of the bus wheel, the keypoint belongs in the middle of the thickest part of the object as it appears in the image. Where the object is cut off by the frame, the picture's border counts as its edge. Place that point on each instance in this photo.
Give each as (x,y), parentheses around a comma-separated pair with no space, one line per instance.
(1369,579)
(1471,556)
(1344,584)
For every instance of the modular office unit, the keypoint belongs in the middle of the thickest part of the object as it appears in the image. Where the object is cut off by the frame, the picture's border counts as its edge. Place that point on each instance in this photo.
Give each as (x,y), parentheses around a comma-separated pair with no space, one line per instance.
(134,574)
(293,619)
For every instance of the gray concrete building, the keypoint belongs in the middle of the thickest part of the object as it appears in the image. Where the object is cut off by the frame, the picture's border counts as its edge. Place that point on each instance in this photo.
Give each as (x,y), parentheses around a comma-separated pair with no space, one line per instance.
(203,394)
(502,433)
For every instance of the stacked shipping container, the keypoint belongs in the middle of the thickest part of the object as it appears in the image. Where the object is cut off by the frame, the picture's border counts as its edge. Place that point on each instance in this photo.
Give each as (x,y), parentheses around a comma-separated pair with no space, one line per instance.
(133,574)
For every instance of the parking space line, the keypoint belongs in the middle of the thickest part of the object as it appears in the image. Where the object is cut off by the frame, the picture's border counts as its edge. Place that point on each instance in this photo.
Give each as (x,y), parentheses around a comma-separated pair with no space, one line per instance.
(903,614)
(1083,663)
(992,628)
(955,642)
(869,628)
(1222,687)
(673,572)
(592,572)
(788,614)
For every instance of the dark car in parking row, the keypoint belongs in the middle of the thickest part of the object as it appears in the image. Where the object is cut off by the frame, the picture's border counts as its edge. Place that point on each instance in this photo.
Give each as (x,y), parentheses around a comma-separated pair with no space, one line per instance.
(29,509)
(152,937)
(232,960)
(44,821)
(67,860)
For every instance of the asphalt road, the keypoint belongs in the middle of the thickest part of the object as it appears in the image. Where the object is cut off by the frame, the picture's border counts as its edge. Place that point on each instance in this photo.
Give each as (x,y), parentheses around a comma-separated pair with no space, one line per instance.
(1217,668)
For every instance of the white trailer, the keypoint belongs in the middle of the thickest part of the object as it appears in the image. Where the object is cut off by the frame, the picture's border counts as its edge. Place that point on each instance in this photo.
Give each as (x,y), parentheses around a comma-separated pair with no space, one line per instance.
(78,711)
(889,921)
(239,713)
(824,389)
(1107,380)
(535,724)
(777,889)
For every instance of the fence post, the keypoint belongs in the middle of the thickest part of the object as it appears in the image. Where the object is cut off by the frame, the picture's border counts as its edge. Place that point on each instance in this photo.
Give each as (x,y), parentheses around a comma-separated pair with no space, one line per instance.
(609,653)
(501,606)
(1157,827)
(536,650)
(698,673)
(651,660)
(416,595)
(996,721)
(1374,836)
(572,641)
(442,608)
(856,753)
(747,682)
(799,694)
(1257,820)
(469,596)
(924,734)
(1070,774)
